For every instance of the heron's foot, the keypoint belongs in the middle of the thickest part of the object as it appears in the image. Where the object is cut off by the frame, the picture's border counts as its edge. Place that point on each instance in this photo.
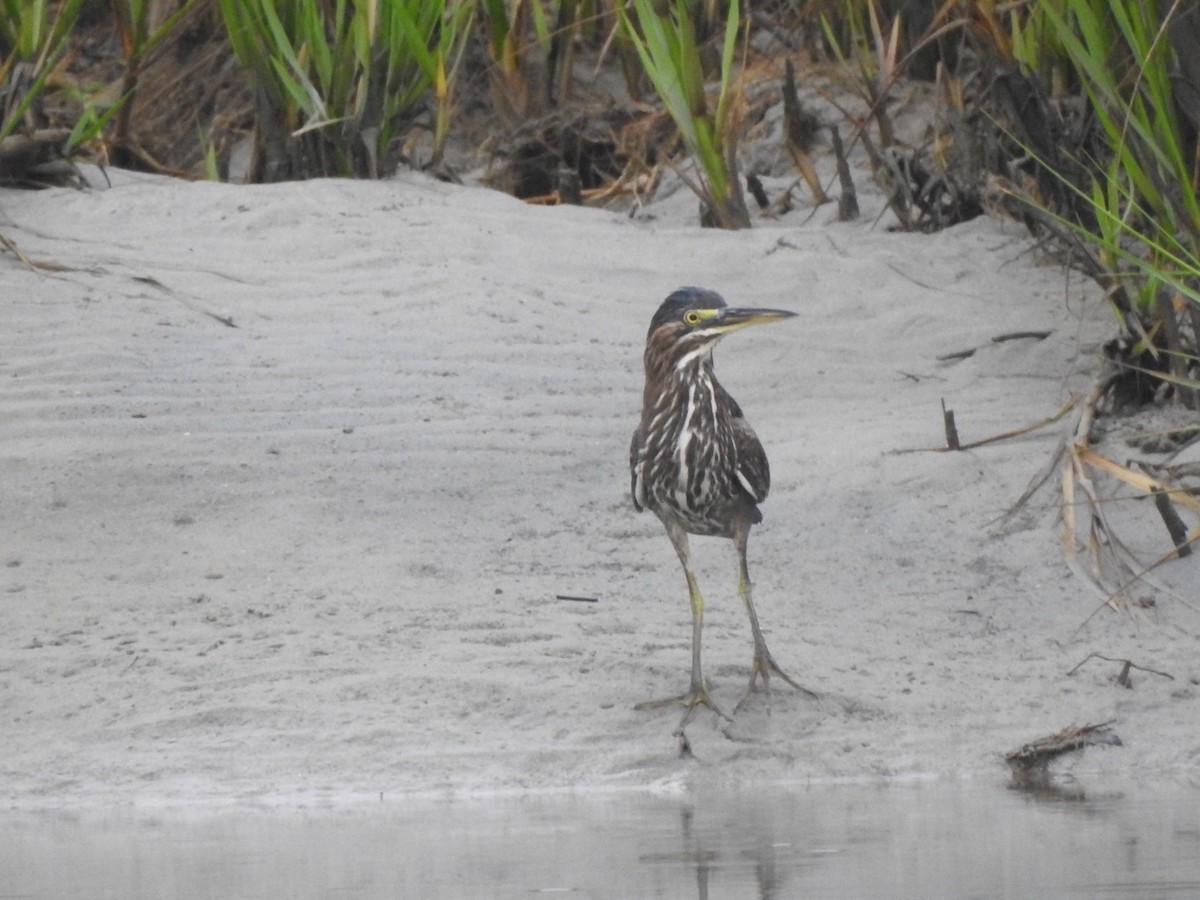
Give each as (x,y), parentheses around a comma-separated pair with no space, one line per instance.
(765,667)
(697,695)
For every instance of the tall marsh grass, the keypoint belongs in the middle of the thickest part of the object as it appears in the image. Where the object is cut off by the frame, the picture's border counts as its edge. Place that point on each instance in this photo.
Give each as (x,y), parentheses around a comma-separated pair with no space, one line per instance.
(38,136)
(664,37)
(33,40)
(1139,64)
(339,82)
(141,26)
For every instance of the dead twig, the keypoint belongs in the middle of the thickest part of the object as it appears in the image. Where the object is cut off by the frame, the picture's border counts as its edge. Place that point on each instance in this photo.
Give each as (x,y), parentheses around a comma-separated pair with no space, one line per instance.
(755,186)
(1021,335)
(998,339)
(996,438)
(1036,482)
(11,246)
(952,442)
(1175,525)
(1114,599)
(1144,482)
(1080,253)
(800,127)
(227,321)
(957,354)
(1122,676)
(848,199)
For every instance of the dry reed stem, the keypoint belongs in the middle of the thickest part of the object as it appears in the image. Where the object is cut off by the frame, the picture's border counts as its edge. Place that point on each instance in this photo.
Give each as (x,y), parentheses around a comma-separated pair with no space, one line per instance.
(11,245)
(1114,569)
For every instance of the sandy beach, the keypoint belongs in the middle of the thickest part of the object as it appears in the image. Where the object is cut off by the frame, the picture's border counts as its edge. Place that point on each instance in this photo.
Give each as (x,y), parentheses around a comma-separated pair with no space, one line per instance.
(293,478)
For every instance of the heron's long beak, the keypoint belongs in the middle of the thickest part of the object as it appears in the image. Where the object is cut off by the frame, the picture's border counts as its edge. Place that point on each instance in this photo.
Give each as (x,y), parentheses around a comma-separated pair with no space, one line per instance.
(734,318)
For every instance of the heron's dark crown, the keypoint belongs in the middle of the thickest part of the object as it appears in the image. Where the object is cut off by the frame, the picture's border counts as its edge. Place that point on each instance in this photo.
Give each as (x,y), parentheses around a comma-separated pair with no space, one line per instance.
(672,309)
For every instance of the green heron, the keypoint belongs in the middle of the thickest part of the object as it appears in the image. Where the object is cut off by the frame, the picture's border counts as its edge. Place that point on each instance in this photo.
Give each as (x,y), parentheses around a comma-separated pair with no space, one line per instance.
(697,463)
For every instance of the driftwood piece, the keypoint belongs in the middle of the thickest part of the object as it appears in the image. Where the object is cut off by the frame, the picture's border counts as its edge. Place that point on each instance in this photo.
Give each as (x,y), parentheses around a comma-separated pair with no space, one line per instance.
(1029,761)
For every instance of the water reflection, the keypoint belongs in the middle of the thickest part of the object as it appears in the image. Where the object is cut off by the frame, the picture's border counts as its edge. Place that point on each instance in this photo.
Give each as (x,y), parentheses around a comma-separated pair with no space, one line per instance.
(918,841)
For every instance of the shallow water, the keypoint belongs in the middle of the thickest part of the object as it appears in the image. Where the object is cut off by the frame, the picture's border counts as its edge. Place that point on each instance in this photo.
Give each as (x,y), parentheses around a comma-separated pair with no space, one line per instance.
(910,841)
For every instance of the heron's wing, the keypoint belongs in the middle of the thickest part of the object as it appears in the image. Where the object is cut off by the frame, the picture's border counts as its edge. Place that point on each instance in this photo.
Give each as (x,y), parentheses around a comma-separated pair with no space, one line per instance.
(637,486)
(751,467)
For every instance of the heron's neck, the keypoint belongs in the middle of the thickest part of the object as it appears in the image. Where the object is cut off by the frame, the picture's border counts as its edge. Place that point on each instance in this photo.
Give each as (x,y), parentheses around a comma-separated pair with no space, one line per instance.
(697,359)
(671,382)
(691,394)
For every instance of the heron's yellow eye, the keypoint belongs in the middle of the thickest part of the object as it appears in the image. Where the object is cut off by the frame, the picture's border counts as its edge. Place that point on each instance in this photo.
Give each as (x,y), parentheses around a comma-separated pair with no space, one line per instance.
(691,317)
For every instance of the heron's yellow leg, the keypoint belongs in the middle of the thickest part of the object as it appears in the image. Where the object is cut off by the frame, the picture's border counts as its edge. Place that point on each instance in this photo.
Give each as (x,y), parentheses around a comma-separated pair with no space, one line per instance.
(697,692)
(764,665)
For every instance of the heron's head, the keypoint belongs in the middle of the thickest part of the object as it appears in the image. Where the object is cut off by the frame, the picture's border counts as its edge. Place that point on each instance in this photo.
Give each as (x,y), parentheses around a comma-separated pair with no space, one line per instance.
(689,323)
